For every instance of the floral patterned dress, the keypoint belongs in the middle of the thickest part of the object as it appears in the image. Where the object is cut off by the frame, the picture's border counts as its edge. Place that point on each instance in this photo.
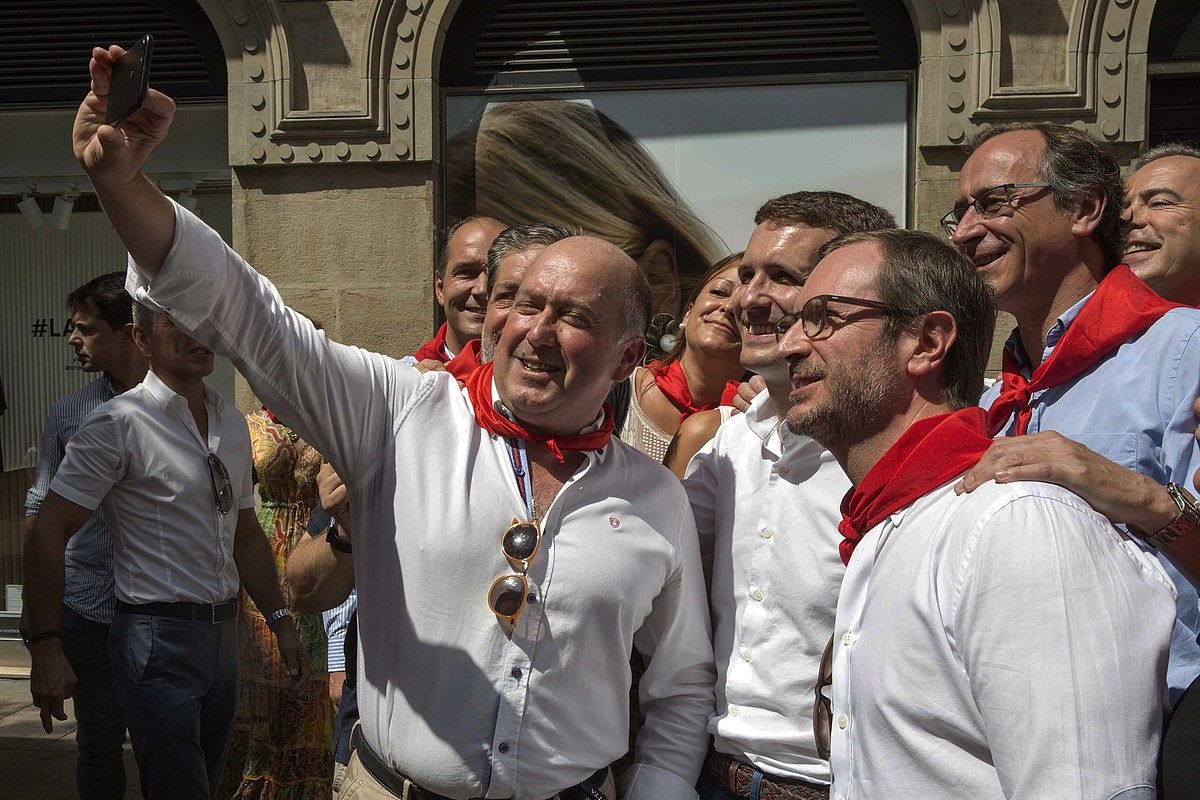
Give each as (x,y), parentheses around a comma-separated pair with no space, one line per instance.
(282,734)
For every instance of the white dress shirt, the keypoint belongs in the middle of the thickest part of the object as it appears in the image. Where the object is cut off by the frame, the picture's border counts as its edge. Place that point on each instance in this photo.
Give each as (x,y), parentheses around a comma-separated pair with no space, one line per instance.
(1008,643)
(141,457)
(446,696)
(766,505)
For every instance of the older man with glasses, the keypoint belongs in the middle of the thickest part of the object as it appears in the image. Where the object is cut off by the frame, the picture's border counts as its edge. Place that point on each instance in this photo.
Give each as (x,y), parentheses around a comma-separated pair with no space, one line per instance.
(169,462)
(1101,373)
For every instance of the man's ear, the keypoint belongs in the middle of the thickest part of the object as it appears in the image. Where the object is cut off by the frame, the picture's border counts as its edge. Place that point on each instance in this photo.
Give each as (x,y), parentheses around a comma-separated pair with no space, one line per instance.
(437,290)
(631,357)
(662,273)
(932,338)
(127,332)
(141,339)
(1088,214)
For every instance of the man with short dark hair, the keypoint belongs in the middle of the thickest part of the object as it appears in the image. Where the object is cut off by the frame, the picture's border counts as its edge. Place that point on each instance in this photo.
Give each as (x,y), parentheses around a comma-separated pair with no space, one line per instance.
(169,461)
(102,338)
(460,285)
(766,507)
(1105,369)
(978,637)
(508,554)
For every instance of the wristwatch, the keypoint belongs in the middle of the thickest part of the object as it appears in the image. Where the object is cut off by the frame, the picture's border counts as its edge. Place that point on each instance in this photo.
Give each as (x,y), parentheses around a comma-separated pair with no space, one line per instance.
(335,541)
(1186,522)
(277,615)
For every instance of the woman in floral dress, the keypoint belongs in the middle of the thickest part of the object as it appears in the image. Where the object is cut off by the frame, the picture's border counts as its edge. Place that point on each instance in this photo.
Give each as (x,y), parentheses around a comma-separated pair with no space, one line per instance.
(281,738)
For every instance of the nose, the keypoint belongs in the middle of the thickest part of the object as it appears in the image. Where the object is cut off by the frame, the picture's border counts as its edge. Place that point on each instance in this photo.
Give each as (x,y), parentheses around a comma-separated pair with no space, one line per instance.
(1131,216)
(76,338)
(794,346)
(479,288)
(968,228)
(749,295)
(543,329)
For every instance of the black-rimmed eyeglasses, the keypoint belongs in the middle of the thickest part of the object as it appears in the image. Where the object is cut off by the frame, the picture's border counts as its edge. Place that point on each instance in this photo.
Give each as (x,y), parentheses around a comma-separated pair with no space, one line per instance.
(814,316)
(222,488)
(991,202)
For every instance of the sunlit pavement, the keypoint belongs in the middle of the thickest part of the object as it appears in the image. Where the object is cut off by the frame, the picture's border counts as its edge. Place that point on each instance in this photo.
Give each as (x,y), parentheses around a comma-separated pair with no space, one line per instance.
(35,764)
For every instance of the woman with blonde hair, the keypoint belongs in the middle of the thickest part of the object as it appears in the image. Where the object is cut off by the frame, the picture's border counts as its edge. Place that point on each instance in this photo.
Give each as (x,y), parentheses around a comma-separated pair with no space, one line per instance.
(700,371)
(566,163)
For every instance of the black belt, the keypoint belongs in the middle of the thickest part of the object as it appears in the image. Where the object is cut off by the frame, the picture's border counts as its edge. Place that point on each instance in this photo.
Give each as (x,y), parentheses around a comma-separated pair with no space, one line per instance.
(196,612)
(394,782)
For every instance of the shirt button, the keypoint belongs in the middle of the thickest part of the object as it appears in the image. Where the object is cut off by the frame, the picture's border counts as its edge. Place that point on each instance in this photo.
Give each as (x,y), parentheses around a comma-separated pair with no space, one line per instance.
(734,711)
(532,597)
(767,533)
(783,471)
(516,673)
(503,748)
(847,638)
(843,721)
(746,654)
(757,594)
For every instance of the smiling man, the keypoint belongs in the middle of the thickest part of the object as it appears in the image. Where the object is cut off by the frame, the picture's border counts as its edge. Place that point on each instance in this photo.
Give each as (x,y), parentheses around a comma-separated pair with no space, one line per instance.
(766,507)
(1007,643)
(1103,368)
(1162,222)
(460,285)
(508,553)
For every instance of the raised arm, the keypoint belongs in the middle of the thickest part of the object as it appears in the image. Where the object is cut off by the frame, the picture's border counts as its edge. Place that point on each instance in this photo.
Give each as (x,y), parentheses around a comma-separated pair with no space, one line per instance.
(113,159)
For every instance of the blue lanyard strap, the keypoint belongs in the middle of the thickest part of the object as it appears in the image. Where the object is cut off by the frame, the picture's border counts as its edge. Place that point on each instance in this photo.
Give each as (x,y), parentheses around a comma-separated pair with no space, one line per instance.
(520,462)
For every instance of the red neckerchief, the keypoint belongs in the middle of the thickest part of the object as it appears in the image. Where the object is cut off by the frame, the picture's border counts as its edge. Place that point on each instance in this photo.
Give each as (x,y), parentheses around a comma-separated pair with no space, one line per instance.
(1121,308)
(671,381)
(435,348)
(467,361)
(479,389)
(930,453)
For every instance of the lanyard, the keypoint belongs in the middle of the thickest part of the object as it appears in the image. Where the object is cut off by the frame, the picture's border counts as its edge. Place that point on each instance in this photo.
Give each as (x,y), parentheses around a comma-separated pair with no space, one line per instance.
(520,464)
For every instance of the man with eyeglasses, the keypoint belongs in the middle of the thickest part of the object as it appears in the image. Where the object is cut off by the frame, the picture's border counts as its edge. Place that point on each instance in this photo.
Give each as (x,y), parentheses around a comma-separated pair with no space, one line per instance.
(508,553)
(1100,374)
(766,506)
(978,637)
(169,462)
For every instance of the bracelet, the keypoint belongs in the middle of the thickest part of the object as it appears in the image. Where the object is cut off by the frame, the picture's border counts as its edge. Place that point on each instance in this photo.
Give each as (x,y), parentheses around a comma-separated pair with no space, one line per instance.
(37,637)
(277,615)
(335,541)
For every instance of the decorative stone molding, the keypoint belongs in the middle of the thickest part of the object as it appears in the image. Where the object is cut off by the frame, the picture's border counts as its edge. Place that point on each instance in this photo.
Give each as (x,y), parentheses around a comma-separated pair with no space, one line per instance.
(1104,64)
(266,126)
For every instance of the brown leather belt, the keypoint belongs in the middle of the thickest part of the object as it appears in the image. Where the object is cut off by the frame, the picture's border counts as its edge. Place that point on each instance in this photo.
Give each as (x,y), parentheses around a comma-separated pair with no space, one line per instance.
(736,777)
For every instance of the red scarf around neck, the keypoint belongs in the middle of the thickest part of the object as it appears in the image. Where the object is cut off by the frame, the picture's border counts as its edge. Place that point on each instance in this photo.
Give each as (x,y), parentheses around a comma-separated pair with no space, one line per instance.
(466,361)
(435,348)
(479,389)
(929,454)
(671,381)
(1121,308)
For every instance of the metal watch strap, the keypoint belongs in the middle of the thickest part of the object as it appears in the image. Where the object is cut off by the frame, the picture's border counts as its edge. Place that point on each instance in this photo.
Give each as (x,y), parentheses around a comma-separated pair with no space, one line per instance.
(1186,522)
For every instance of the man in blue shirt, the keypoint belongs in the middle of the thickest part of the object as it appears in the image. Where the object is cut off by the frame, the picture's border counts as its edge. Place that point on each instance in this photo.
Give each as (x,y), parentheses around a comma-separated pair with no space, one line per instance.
(102,318)
(1039,213)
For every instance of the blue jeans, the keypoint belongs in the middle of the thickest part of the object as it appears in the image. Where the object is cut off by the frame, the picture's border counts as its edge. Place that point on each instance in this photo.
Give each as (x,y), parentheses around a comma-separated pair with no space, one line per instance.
(100,726)
(178,684)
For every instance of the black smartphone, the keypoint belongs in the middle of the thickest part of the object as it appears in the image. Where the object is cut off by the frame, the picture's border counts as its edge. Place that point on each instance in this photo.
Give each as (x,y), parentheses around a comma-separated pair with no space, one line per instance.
(130,79)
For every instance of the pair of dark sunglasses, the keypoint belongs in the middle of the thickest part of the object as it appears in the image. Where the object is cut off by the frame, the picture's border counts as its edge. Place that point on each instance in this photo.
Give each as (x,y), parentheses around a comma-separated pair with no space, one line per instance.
(222,487)
(520,542)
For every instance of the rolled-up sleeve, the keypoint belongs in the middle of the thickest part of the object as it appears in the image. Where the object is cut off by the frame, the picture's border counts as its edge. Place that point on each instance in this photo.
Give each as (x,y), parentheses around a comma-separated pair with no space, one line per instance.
(339,398)
(676,691)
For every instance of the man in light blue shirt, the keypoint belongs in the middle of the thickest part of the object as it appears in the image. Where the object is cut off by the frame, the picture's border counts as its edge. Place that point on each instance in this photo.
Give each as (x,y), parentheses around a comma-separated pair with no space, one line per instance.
(1039,213)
